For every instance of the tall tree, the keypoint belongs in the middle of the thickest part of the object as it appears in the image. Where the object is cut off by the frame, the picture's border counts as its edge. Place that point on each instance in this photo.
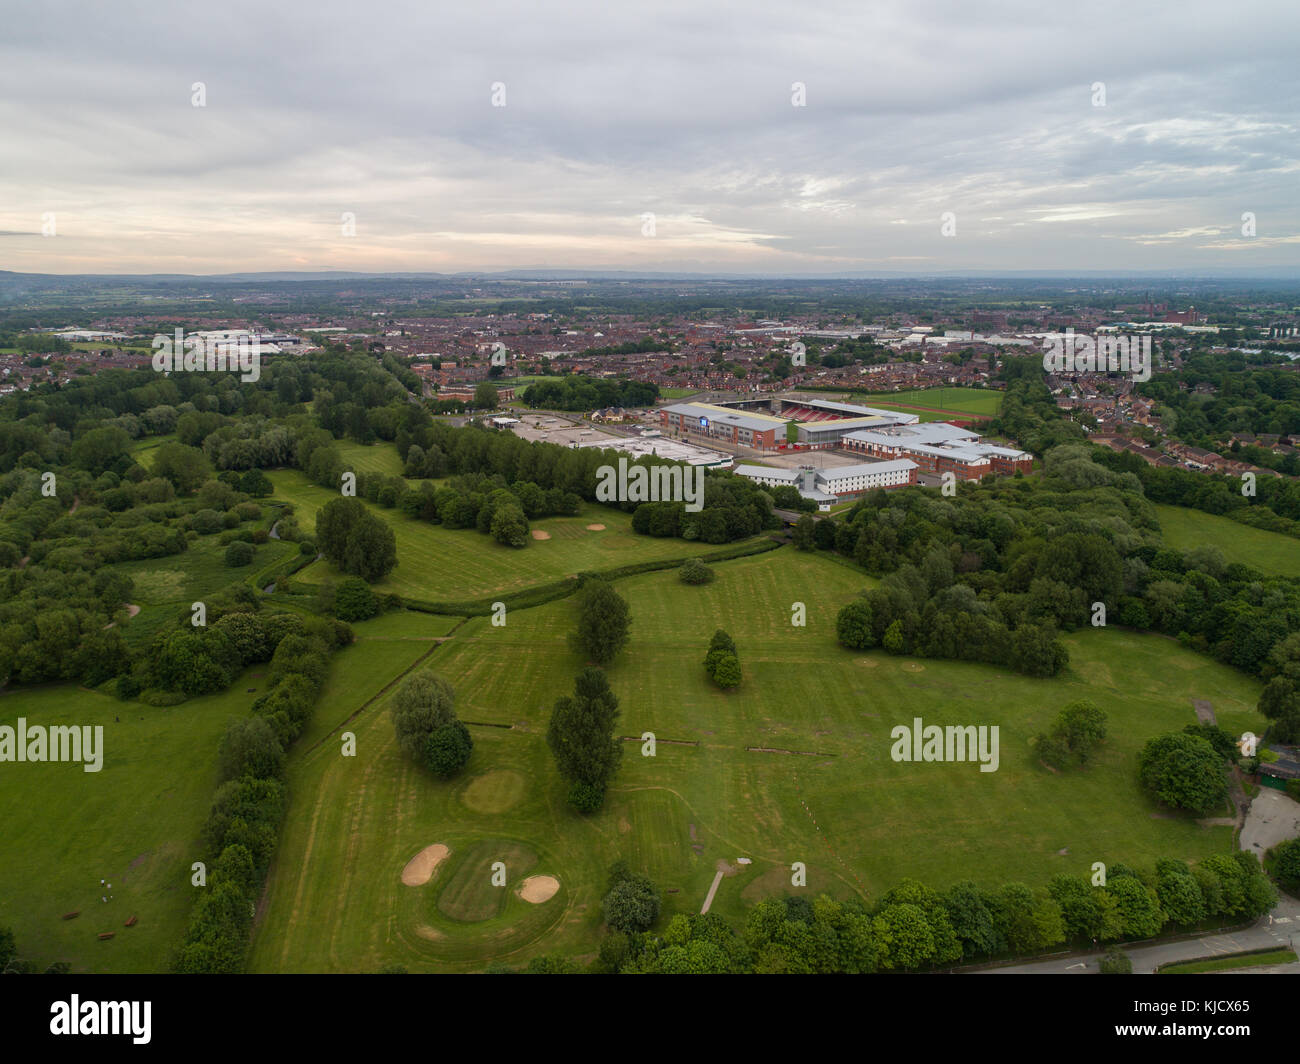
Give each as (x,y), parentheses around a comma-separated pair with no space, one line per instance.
(581,735)
(604,622)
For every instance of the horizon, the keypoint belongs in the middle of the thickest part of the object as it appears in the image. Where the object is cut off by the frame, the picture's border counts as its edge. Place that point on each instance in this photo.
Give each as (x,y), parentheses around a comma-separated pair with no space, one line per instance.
(912,139)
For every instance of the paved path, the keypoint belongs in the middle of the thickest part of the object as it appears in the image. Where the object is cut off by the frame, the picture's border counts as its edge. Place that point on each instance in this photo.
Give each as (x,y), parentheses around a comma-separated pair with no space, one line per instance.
(725,868)
(1272,817)
(712,891)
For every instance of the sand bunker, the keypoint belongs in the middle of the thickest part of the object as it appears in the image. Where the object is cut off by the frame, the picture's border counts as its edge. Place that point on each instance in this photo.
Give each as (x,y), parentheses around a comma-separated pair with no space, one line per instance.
(538,889)
(420,868)
(595,528)
(538,534)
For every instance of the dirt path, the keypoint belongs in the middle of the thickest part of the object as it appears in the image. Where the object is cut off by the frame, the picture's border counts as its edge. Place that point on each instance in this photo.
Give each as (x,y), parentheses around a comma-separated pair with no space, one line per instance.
(1204,711)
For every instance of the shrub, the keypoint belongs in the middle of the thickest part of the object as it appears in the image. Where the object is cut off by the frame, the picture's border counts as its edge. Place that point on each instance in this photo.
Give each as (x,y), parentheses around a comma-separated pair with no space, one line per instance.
(240,553)
(205,522)
(1116,962)
(694,571)
(307,546)
(354,601)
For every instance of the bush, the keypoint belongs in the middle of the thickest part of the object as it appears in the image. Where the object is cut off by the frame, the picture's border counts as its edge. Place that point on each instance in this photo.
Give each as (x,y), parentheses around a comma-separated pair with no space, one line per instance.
(240,553)
(694,571)
(354,601)
(1116,962)
(307,546)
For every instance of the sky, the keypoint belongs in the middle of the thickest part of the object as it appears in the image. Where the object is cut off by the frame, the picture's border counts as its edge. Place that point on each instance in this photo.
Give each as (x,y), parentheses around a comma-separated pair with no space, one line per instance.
(780,139)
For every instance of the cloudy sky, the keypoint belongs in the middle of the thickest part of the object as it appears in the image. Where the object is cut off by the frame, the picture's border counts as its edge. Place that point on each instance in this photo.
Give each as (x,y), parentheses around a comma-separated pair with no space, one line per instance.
(801,137)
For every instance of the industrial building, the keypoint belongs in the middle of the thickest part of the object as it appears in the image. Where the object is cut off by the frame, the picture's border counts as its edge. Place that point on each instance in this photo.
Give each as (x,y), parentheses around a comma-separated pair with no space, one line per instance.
(828,486)
(937,447)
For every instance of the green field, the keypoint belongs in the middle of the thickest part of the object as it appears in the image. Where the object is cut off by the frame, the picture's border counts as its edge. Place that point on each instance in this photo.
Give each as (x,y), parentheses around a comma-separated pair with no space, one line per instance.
(441,565)
(1270,552)
(165,588)
(372,458)
(134,824)
(834,800)
(949,402)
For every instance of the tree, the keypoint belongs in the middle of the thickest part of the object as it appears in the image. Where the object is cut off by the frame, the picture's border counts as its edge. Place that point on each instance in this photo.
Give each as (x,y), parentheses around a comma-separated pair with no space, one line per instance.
(726,670)
(853,626)
(1116,962)
(1286,865)
(423,703)
(250,747)
(185,467)
(804,534)
(448,749)
(510,526)
(903,936)
(1084,726)
(581,733)
(604,621)
(1079,729)
(1183,771)
(486,396)
(631,905)
(100,449)
(356,540)
(256,483)
(354,601)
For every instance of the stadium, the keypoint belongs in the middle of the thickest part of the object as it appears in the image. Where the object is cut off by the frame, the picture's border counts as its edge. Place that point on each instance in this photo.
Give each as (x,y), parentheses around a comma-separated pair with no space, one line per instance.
(781,423)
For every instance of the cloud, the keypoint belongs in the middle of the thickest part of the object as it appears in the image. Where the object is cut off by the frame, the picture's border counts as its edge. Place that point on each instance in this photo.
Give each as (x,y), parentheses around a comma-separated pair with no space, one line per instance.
(611,111)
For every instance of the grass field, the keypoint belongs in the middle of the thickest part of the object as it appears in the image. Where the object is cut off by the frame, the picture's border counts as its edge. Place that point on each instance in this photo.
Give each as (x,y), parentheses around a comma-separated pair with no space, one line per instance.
(166,587)
(933,404)
(372,458)
(135,824)
(440,565)
(835,800)
(1270,552)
